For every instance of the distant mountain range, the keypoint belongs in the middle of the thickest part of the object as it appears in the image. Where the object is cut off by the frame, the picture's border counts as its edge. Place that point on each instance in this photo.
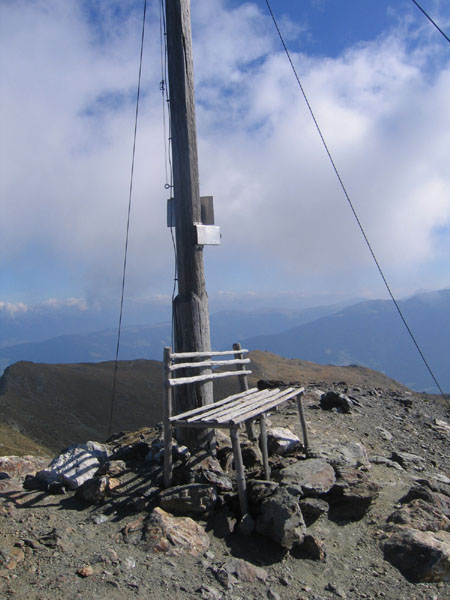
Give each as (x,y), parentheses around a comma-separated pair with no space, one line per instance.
(144,341)
(372,334)
(368,333)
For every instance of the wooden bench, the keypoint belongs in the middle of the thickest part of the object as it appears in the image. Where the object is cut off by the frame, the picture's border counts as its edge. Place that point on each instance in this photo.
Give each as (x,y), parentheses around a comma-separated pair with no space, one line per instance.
(231,413)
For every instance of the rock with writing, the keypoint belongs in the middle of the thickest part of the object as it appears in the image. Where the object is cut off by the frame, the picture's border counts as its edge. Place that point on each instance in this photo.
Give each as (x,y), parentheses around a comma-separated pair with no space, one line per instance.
(76,465)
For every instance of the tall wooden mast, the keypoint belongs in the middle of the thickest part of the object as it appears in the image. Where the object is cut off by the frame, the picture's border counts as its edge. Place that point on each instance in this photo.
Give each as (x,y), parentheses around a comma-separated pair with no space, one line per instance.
(191,315)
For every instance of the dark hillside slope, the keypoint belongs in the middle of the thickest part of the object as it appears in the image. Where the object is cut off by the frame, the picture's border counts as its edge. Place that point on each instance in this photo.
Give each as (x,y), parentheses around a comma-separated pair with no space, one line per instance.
(56,405)
(372,334)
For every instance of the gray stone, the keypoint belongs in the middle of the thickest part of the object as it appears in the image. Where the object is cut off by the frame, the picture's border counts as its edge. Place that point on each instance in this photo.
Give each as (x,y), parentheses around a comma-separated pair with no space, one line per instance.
(223,522)
(312,509)
(76,465)
(165,534)
(18,467)
(194,498)
(408,460)
(94,490)
(331,400)
(237,570)
(208,592)
(421,556)
(352,495)
(313,548)
(382,460)
(422,490)
(251,455)
(386,435)
(259,489)
(350,454)
(204,468)
(421,515)
(314,476)
(112,468)
(282,441)
(281,519)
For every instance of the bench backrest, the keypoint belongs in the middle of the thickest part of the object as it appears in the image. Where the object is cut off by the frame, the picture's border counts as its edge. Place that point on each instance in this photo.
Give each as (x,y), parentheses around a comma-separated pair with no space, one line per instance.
(203,365)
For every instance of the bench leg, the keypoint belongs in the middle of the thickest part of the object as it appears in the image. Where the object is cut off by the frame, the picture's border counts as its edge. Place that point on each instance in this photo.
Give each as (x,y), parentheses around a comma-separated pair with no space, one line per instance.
(250,428)
(167,455)
(303,423)
(263,445)
(240,475)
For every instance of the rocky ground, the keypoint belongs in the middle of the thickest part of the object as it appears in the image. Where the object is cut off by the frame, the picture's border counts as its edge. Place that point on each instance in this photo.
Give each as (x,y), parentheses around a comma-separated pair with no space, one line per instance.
(364,515)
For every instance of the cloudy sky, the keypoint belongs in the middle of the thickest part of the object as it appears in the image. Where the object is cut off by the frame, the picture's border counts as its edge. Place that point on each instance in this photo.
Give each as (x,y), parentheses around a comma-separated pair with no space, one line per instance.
(377,75)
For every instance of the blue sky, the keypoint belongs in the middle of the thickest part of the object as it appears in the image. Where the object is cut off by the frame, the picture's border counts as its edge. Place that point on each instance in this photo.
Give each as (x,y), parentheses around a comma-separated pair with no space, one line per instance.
(377,75)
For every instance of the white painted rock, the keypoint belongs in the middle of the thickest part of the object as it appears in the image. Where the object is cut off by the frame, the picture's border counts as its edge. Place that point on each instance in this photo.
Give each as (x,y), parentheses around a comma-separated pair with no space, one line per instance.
(281,440)
(76,465)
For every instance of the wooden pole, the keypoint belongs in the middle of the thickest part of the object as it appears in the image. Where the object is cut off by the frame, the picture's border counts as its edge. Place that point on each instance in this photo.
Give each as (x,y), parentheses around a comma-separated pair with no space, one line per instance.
(191,315)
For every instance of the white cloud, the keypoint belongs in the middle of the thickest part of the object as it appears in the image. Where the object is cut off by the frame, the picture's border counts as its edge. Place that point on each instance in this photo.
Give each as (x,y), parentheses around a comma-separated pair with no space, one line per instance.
(68,111)
(13,308)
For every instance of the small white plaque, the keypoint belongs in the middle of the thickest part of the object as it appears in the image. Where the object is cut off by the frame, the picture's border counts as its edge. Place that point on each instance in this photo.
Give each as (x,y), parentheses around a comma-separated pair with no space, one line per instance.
(207,235)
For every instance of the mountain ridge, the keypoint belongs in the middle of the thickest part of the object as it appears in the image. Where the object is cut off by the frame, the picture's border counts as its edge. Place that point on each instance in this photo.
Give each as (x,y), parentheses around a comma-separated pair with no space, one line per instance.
(55,405)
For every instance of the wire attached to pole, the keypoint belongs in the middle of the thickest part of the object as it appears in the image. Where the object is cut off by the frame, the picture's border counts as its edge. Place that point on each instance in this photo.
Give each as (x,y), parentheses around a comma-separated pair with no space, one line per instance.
(168,147)
(431,21)
(353,208)
(128,223)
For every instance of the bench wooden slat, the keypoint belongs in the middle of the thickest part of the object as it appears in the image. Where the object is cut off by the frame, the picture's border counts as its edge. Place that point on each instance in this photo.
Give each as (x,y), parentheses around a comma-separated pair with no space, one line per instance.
(232,407)
(209,363)
(210,353)
(195,378)
(267,406)
(209,406)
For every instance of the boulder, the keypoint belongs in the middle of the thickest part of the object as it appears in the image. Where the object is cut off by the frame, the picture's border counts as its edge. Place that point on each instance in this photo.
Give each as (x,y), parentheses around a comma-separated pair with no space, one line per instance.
(191,499)
(282,441)
(18,467)
(345,454)
(113,468)
(408,460)
(421,556)
(94,490)
(222,522)
(164,533)
(251,455)
(312,548)
(382,460)
(236,571)
(203,468)
(420,515)
(132,445)
(352,495)
(331,400)
(314,476)
(423,490)
(260,489)
(281,519)
(312,509)
(76,465)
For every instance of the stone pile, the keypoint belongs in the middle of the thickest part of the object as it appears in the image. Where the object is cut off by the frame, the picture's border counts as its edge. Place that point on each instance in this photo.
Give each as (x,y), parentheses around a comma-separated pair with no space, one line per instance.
(332,482)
